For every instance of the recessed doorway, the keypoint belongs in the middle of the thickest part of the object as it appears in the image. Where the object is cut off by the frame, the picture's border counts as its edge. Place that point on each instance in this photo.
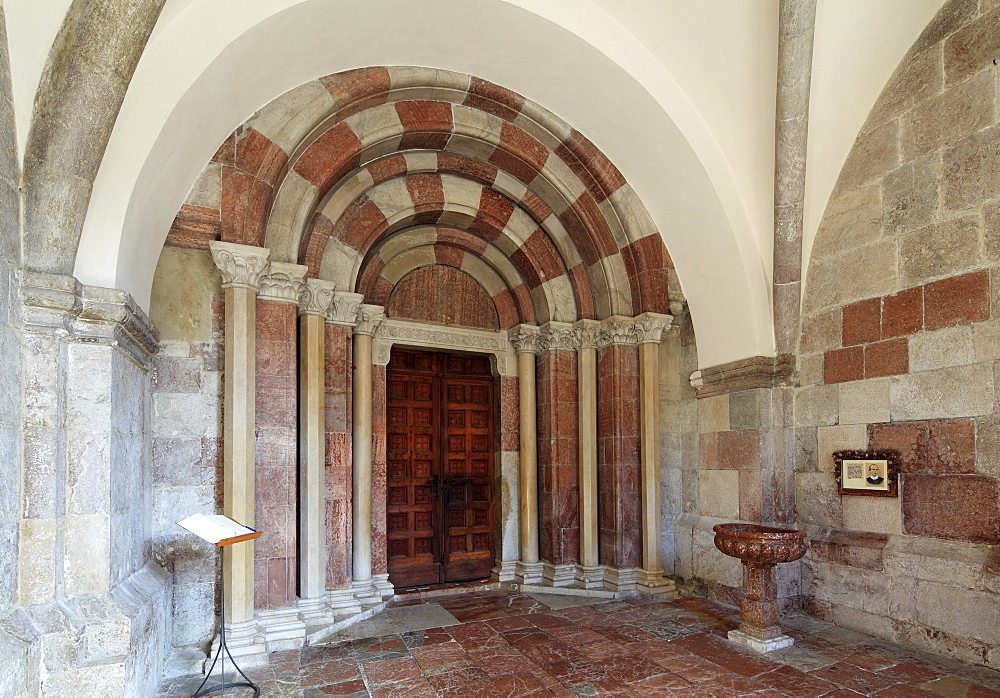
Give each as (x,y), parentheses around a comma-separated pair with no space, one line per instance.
(439,467)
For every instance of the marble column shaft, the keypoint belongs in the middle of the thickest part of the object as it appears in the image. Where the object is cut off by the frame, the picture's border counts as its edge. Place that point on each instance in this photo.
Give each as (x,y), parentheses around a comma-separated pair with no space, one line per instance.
(241,267)
(587,415)
(649,330)
(314,303)
(526,341)
(368,319)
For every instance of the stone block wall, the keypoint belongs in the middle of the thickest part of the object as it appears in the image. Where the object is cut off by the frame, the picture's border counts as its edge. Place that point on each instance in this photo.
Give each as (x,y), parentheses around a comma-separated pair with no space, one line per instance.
(187,308)
(899,351)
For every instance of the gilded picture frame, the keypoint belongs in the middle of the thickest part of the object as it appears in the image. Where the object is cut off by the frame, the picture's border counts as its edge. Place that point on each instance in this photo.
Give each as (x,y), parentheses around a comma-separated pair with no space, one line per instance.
(867,473)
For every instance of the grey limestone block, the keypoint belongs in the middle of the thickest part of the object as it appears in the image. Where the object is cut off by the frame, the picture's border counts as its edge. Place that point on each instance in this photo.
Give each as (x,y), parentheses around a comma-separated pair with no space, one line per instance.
(962,391)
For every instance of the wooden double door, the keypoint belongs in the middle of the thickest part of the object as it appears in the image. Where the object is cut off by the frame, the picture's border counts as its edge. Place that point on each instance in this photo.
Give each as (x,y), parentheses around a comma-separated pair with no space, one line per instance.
(439,467)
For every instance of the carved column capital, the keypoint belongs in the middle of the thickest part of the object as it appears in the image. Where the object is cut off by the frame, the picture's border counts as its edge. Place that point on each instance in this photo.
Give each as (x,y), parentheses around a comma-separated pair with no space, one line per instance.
(283,282)
(369,318)
(558,336)
(241,266)
(344,308)
(525,338)
(617,330)
(316,297)
(649,327)
(587,333)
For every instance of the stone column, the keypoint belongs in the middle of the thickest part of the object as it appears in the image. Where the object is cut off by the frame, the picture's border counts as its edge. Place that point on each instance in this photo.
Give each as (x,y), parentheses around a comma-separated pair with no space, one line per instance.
(558,463)
(796,21)
(314,304)
(588,574)
(340,321)
(276,562)
(618,467)
(649,330)
(242,268)
(526,341)
(368,319)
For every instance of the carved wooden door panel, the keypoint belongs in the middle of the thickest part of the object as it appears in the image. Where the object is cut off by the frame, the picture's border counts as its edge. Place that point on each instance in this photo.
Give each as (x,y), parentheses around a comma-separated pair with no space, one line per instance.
(440,445)
(413,436)
(467,460)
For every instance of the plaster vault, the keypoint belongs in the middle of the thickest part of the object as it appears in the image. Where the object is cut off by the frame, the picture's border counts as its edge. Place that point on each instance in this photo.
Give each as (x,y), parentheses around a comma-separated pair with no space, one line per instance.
(315,211)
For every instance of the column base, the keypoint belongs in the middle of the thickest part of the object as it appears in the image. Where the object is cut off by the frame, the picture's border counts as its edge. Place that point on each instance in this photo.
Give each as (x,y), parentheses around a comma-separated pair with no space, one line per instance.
(245,642)
(529,573)
(590,577)
(343,602)
(558,575)
(653,583)
(366,592)
(383,586)
(504,571)
(620,580)
(315,611)
(758,645)
(283,629)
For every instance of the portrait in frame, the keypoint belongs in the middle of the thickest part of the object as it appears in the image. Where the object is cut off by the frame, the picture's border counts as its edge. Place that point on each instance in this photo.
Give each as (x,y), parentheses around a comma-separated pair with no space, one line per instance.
(868,473)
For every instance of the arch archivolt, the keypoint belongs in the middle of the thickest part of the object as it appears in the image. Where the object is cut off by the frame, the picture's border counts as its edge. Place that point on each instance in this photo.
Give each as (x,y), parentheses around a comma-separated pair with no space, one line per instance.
(340,189)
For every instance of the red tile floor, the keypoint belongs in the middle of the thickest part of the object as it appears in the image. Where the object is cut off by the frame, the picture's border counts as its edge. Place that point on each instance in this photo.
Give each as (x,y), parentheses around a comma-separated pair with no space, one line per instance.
(509,644)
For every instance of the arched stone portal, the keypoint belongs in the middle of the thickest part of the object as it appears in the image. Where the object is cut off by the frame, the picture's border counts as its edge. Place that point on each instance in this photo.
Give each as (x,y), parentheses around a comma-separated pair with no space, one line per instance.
(318,206)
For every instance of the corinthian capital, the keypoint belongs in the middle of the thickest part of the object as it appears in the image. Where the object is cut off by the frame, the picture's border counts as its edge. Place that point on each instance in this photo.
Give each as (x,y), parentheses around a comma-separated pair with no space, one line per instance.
(558,336)
(369,318)
(316,297)
(525,338)
(649,327)
(617,330)
(344,308)
(283,282)
(587,333)
(241,266)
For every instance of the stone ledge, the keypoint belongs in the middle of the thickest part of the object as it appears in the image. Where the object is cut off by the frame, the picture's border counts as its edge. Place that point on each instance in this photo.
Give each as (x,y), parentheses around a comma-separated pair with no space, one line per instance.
(59,305)
(745,374)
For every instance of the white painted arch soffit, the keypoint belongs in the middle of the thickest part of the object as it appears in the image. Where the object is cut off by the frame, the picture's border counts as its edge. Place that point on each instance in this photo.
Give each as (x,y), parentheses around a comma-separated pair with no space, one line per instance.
(211,63)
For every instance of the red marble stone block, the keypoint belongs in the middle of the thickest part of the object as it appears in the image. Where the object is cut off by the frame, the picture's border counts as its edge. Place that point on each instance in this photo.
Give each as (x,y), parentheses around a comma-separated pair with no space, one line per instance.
(888,358)
(903,313)
(338,544)
(956,507)
(582,293)
(654,292)
(958,300)
(425,191)
(357,90)
(851,548)
(538,209)
(260,582)
(951,446)
(740,449)
(194,227)
(708,452)
(444,295)
(862,322)
(524,303)
(525,267)
(495,211)
(506,310)
(593,168)
(469,168)
(908,439)
(461,239)
(387,168)
(580,236)
(256,154)
(841,365)
(449,255)
(586,206)
(509,413)
(369,274)
(330,157)
(380,291)
(358,222)
(426,125)
(245,203)
(519,154)
(546,257)
(493,99)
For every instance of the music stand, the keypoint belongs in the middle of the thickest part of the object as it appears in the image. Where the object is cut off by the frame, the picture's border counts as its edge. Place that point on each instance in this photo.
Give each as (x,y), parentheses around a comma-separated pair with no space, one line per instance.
(223,649)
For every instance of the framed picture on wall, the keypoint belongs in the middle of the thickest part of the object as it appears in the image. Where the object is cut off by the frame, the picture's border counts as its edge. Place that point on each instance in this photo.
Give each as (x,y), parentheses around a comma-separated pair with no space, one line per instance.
(869,473)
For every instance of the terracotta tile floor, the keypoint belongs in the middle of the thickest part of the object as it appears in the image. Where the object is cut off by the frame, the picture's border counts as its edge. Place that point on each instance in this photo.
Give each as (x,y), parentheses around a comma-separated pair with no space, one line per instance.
(509,644)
